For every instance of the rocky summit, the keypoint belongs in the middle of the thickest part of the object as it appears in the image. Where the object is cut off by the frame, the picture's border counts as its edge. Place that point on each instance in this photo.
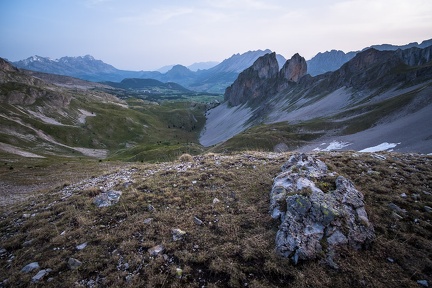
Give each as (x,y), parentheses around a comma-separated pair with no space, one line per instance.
(264,79)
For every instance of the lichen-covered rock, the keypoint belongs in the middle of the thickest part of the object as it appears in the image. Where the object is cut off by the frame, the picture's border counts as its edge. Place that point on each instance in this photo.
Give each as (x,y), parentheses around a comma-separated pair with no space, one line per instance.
(319,211)
(108,198)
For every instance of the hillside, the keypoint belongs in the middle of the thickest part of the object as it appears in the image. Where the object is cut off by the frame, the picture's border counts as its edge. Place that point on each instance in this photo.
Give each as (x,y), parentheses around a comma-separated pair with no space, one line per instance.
(50,115)
(365,103)
(225,236)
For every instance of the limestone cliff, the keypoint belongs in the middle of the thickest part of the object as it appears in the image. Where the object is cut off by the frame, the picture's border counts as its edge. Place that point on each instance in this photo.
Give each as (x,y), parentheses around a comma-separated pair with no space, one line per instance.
(264,79)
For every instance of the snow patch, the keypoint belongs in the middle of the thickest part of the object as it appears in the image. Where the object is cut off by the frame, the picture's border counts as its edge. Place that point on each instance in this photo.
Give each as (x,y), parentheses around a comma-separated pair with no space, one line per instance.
(381,147)
(334,145)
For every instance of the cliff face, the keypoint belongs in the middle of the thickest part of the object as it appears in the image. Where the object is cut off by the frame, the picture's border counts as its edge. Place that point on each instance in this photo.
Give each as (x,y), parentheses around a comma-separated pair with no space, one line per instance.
(294,69)
(264,79)
(254,81)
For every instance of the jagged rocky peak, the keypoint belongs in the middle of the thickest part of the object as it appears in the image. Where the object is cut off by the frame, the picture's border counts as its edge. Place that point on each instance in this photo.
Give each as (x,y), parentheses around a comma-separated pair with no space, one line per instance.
(263,78)
(294,69)
(6,66)
(266,66)
(253,82)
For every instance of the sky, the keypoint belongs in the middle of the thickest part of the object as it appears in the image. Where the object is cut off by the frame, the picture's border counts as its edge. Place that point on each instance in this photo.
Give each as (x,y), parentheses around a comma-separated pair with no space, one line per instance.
(149,34)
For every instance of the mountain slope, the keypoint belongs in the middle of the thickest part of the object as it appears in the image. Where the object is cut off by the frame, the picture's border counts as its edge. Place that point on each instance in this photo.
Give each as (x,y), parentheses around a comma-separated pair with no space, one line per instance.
(365,95)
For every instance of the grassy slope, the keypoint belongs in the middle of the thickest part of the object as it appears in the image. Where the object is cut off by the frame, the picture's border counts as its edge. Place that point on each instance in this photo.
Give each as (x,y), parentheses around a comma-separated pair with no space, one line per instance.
(235,245)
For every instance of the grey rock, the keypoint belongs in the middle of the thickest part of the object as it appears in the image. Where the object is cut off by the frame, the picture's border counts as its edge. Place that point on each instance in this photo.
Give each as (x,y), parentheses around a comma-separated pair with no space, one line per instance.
(108,198)
(74,264)
(423,283)
(428,209)
(40,275)
(314,222)
(396,208)
(156,250)
(28,243)
(2,251)
(178,234)
(215,201)
(150,208)
(81,246)
(198,221)
(30,267)
(148,220)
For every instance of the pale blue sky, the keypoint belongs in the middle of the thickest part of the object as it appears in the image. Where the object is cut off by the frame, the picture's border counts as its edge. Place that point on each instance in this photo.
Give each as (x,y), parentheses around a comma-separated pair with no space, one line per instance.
(148,34)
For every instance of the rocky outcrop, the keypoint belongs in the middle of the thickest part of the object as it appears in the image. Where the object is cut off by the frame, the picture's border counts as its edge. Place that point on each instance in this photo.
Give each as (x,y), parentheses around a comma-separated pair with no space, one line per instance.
(263,79)
(254,81)
(319,211)
(294,69)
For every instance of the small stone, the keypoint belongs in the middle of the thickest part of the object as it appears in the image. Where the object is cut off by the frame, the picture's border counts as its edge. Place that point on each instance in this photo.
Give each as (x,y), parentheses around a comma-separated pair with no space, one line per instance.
(28,243)
(396,208)
(74,263)
(428,209)
(40,275)
(148,220)
(156,250)
(150,208)
(423,283)
(198,221)
(30,267)
(403,195)
(391,260)
(2,251)
(178,234)
(127,184)
(215,201)
(194,182)
(81,246)
(129,277)
(26,216)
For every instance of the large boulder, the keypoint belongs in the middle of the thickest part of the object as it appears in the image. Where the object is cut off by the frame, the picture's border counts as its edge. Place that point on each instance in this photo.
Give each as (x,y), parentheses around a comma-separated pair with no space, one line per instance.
(319,211)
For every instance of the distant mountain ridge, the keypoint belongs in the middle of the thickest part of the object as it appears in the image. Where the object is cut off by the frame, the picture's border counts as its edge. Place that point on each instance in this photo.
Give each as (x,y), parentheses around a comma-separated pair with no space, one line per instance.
(332,60)
(215,79)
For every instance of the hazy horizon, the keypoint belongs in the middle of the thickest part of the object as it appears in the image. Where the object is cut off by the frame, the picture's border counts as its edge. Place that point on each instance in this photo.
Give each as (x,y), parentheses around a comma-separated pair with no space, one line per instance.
(147,35)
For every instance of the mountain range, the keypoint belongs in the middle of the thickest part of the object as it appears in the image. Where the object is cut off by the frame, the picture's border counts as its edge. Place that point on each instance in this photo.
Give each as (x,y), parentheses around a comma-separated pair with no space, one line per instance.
(366,103)
(205,76)
(214,79)
(272,105)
